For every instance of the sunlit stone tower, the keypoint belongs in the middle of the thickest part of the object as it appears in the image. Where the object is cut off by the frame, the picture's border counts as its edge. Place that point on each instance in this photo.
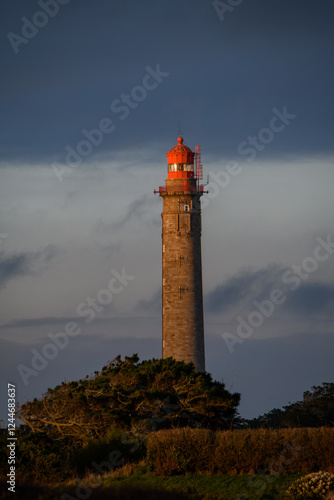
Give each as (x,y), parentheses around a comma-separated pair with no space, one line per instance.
(182,296)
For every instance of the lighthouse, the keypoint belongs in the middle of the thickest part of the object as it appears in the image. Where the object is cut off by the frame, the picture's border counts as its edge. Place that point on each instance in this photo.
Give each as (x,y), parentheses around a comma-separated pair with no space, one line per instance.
(182,293)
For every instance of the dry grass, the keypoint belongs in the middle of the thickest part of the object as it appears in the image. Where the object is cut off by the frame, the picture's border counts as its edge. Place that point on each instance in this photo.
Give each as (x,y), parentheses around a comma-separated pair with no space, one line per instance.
(284,451)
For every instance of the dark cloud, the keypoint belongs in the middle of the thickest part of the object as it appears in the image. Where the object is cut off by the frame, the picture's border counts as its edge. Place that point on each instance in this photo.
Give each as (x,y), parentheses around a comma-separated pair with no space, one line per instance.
(26,263)
(225,77)
(140,209)
(312,298)
(37,322)
(240,291)
(243,289)
(136,210)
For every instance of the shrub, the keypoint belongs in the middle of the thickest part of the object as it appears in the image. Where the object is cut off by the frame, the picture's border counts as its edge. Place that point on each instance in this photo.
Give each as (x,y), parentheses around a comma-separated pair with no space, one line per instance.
(315,486)
(38,457)
(246,451)
(115,448)
(285,451)
(177,451)
(147,396)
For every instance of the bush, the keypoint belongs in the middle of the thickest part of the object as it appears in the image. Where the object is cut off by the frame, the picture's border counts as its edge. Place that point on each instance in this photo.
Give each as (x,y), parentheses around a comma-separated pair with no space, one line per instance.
(40,458)
(315,486)
(285,451)
(114,449)
(37,457)
(180,450)
(246,451)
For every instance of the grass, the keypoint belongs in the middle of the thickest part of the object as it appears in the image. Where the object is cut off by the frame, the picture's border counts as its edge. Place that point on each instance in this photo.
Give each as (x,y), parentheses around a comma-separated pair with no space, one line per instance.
(145,486)
(212,487)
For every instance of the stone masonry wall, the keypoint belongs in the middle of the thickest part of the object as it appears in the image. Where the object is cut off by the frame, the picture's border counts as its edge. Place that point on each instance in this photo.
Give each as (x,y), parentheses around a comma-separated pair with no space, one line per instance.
(182,296)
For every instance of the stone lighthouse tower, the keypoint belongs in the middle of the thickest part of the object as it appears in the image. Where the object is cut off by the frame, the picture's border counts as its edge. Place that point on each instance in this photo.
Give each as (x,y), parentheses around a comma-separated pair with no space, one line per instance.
(182,296)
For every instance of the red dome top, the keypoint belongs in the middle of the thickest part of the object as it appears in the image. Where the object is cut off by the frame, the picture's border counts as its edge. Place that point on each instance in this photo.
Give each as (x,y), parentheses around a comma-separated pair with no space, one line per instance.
(180,153)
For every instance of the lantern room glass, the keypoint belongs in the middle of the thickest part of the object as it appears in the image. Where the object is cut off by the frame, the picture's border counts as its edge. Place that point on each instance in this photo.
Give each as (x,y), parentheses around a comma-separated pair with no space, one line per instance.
(180,167)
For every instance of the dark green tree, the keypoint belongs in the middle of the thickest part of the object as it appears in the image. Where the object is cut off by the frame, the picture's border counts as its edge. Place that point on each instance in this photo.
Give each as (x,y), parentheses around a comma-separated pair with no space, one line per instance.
(315,410)
(137,397)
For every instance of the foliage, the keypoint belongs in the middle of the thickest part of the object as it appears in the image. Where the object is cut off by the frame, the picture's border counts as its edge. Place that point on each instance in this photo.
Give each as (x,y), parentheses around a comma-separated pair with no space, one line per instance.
(178,451)
(284,451)
(37,456)
(316,410)
(114,449)
(141,397)
(315,486)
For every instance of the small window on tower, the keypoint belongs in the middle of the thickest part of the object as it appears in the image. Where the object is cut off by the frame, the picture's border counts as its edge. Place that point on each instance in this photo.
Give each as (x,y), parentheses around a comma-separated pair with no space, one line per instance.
(186,208)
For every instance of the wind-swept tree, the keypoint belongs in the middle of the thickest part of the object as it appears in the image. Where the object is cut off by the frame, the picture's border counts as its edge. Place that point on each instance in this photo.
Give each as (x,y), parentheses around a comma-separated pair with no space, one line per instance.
(139,397)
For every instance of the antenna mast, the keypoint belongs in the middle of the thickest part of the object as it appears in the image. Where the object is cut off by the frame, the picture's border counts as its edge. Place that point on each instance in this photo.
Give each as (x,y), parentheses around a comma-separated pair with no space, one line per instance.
(180,131)
(199,166)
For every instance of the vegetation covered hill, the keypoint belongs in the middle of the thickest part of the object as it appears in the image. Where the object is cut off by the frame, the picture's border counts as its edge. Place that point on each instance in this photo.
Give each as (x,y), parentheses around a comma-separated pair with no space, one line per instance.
(133,396)
(161,417)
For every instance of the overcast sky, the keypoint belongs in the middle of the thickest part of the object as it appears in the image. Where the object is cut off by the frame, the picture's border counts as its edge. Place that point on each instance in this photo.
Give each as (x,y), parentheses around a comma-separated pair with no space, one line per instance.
(92,97)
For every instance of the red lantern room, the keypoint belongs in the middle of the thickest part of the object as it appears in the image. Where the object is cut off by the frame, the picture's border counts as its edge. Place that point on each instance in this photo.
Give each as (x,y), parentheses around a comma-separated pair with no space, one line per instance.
(180,160)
